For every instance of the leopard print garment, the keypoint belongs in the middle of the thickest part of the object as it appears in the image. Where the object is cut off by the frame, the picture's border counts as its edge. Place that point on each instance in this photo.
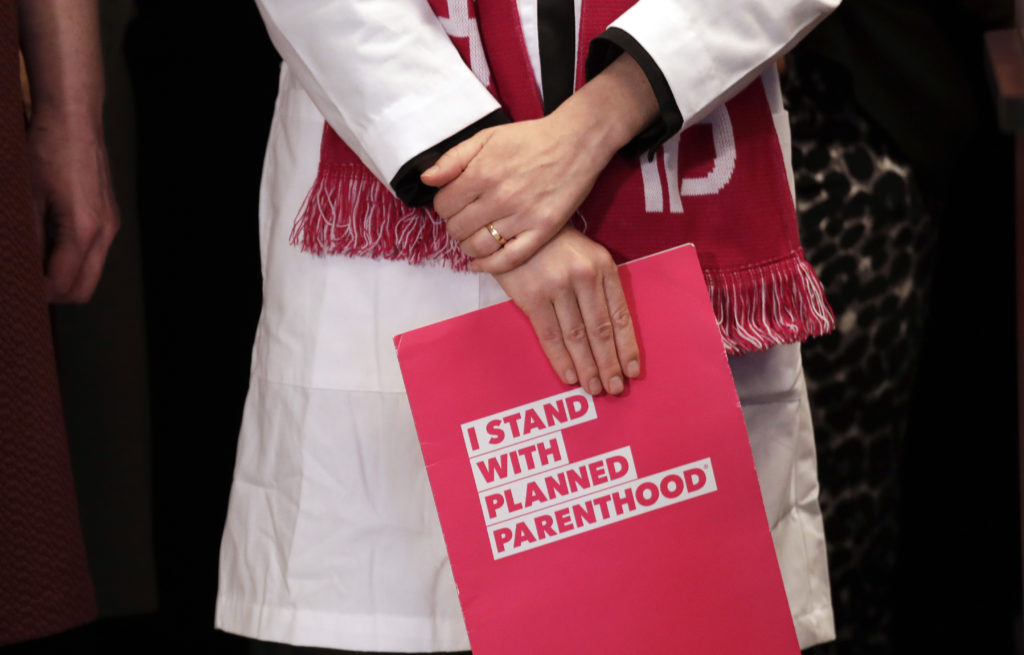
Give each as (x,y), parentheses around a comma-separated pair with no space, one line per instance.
(871,241)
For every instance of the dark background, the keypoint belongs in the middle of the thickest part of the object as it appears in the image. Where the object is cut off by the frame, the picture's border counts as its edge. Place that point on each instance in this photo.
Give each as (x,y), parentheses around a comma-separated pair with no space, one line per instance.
(190,95)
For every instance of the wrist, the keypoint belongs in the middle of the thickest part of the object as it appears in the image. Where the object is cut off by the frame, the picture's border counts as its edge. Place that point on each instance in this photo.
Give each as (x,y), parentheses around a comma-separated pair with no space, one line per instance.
(81,122)
(613,107)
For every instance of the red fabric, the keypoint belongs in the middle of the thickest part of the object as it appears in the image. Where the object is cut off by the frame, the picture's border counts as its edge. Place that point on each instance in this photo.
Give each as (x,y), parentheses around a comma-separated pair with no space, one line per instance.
(44,580)
(721,185)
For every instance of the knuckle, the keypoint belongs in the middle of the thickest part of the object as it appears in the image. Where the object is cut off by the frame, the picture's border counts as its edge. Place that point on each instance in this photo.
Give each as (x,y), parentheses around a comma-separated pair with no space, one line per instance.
(505,193)
(603,261)
(479,176)
(547,216)
(88,221)
(550,336)
(621,318)
(462,151)
(604,331)
(582,270)
(87,230)
(557,285)
(575,334)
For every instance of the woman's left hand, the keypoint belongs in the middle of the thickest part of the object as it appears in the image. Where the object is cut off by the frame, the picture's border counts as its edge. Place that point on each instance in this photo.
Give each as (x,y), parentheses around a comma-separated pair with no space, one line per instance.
(508,190)
(525,179)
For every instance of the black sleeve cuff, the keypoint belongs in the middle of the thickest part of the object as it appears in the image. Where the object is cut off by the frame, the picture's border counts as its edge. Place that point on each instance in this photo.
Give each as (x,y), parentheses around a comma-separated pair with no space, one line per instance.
(604,49)
(407,184)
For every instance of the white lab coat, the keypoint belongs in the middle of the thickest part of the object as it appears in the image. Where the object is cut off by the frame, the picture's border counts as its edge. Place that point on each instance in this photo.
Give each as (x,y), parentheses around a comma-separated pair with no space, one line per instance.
(332,539)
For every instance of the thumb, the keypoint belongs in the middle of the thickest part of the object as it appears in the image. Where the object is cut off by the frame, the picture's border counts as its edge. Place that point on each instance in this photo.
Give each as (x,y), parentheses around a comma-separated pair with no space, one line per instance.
(452,163)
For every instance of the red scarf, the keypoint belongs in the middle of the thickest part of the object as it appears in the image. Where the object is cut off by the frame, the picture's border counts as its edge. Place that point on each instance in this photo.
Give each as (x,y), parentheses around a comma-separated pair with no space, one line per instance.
(721,185)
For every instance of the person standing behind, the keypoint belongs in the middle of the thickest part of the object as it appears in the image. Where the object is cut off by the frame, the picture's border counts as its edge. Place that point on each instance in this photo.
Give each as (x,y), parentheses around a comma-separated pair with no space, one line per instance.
(57,220)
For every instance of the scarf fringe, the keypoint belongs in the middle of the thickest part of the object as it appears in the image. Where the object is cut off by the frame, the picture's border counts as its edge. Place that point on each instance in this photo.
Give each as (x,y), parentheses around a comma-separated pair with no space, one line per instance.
(768,305)
(349,212)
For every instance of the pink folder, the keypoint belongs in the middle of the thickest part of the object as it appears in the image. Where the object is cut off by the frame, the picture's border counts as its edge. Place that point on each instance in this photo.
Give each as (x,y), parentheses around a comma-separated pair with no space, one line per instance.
(580,524)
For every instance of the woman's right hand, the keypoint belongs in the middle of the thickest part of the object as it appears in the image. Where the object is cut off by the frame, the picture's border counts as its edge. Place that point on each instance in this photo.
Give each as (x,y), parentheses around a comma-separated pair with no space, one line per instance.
(570,291)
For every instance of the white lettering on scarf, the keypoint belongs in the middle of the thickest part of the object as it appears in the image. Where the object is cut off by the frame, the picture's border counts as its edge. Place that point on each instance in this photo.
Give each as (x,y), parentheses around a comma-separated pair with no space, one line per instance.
(709,184)
(459,25)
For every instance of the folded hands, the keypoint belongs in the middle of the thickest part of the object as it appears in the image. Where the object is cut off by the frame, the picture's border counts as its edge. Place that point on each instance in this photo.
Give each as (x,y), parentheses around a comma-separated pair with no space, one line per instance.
(521,183)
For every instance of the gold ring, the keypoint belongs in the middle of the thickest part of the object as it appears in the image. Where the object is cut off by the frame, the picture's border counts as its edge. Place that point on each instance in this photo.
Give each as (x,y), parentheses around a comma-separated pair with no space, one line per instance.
(496,234)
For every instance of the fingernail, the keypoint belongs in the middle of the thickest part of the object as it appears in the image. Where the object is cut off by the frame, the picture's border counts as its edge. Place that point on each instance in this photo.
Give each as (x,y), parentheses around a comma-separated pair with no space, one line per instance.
(570,376)
(615,385)
(430,171)
(633,369)
(594,386)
